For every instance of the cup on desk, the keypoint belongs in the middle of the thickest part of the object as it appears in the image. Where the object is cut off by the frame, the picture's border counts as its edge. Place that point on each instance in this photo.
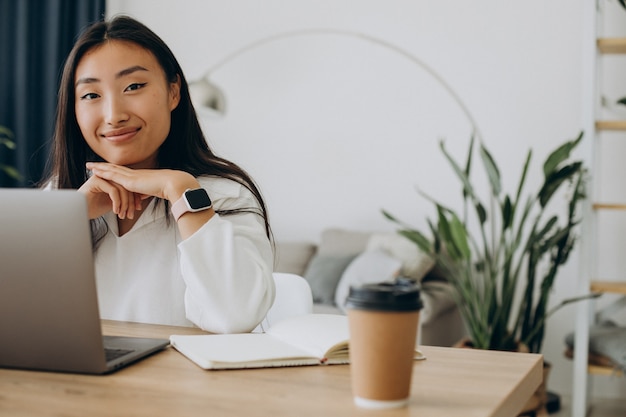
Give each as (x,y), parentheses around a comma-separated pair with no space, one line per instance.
(383,320)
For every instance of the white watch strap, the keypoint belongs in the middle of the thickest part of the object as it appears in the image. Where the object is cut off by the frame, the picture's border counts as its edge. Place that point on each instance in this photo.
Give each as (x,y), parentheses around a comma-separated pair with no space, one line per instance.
(180,207)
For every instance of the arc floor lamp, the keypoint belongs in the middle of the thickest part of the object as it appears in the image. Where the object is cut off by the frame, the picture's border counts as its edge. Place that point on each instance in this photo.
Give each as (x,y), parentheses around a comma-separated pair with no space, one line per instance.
(207,94)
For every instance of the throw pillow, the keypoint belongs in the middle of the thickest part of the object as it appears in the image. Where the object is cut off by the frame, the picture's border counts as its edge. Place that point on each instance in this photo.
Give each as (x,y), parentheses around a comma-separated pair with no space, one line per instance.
(415,263)
(367,268)
(293,257)
(608,340)
(323,274)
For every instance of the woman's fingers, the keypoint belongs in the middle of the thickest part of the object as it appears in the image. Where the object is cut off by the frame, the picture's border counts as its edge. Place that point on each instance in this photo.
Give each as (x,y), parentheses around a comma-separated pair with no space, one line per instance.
(120,200)
(127,203)
(104,196)
(144,183)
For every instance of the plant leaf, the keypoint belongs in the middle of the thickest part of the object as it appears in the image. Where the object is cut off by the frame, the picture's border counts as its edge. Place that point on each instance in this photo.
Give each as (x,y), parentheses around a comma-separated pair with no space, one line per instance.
(507,213)
(523,177)
(8,143)
(418,238)
(492,170)
(10,171)
(444,230)
(459,236)
(389,216)
(4,131)
(538,236)
(559,155)
(622,101)
(554,181)
(559,238)
(482,213)
(437,240)
(468,163)
(623,3)
(580,193)
(467,186)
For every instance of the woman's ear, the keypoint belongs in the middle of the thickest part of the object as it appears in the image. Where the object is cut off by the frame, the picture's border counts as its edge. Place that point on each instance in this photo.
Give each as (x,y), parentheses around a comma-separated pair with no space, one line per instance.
(175,93)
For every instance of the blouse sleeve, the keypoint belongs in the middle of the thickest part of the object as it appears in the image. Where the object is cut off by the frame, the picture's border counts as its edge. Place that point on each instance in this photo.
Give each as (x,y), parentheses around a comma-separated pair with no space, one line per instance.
(227,264)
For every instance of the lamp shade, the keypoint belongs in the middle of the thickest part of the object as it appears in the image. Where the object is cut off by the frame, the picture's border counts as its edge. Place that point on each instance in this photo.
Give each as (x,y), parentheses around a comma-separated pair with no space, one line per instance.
(205,94)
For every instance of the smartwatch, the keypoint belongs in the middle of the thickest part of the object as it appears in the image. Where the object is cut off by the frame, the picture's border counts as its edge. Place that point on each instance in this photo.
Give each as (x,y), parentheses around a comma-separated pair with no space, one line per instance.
(191,201)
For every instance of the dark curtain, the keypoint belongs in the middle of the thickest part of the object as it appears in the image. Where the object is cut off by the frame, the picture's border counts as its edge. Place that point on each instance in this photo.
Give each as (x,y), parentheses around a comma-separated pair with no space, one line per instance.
(35,38)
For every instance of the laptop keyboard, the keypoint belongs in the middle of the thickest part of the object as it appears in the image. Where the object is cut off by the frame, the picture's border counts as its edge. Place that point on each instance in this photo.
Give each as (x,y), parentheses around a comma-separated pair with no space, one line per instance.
(111,354)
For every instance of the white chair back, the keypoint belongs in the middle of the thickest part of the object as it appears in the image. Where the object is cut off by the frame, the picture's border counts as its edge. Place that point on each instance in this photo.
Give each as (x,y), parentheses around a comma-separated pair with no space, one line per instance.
(293,298)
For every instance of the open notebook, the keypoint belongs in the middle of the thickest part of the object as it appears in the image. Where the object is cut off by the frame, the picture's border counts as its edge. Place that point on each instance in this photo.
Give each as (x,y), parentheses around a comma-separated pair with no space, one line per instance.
(310,339)
(49,318)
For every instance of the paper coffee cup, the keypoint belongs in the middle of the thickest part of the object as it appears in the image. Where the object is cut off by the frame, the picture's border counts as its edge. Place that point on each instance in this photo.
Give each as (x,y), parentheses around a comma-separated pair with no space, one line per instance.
(383,320)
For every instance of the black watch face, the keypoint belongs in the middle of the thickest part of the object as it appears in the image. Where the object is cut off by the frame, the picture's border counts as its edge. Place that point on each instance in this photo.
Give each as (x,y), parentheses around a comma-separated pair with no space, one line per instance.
(198,199)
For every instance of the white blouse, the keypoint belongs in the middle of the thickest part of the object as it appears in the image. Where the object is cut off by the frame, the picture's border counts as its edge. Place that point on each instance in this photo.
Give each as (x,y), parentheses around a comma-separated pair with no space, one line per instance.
(219,279)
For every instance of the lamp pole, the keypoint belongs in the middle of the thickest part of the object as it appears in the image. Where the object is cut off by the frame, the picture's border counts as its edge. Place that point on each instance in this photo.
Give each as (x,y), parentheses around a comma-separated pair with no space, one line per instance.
(210,95)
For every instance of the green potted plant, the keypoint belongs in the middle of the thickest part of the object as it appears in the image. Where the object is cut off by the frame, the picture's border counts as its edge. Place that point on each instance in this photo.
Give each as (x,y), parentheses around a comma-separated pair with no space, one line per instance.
(6,139)
(502,258)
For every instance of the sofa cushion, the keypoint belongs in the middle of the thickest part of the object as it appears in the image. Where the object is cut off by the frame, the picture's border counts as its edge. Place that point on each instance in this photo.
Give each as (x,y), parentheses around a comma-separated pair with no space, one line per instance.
(337,242)
(323,274)
(415,263)
(293,257)
(368,267)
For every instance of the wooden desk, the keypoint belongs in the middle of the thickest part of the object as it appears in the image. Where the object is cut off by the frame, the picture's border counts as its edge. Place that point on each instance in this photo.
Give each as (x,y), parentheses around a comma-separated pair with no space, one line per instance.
(451,382)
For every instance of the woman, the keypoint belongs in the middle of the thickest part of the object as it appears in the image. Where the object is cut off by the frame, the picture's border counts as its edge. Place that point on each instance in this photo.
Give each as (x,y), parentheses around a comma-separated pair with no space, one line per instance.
(181,236)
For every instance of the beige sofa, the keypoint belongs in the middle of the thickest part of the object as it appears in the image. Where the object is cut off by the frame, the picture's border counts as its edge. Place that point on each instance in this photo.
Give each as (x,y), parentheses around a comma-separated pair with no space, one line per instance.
(347,257)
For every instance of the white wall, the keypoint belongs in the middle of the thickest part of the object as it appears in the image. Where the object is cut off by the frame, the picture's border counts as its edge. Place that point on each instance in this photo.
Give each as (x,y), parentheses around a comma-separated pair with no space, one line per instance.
(335,128)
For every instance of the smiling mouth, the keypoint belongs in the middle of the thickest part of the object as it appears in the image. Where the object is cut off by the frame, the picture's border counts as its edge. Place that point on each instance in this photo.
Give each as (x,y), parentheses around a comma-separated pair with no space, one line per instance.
(120,135)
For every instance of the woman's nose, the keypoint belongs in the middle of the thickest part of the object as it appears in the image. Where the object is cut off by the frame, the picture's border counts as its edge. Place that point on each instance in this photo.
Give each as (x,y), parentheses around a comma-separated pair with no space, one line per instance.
(115,111)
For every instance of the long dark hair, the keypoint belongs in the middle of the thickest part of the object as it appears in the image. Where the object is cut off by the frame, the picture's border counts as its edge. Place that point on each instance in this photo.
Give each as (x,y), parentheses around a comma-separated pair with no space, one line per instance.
(185,147)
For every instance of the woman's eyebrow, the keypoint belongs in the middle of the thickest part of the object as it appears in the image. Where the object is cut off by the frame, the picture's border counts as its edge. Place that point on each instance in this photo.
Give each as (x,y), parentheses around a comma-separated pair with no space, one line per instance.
(86,80)
(122,73)
(129,71)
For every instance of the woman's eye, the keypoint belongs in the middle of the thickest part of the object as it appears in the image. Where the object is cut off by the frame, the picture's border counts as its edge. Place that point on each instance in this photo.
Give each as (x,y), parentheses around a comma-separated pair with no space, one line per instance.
(89,96)
(135,86)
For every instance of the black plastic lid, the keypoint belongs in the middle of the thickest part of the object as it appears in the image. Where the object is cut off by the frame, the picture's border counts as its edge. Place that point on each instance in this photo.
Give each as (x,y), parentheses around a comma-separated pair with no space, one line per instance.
(400,295)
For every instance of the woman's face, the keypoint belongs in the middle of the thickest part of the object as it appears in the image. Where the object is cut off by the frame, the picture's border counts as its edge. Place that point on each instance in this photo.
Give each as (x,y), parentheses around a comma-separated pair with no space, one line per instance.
(123,103)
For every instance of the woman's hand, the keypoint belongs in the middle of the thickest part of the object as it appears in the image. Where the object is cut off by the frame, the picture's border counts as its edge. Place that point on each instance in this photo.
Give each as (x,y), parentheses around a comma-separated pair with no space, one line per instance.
(122,189)
(126,187)
(104,196)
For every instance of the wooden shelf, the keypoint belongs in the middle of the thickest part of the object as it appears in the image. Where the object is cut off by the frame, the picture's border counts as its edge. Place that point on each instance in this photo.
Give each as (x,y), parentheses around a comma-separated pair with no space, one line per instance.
(612,45)
(603,370)
(608,286)
(597,365)
(596,58)
(609,206)
(611,124)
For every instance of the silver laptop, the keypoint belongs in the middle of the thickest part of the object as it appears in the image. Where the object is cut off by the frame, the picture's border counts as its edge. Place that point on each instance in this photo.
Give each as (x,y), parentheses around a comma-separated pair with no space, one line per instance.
(49,317)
